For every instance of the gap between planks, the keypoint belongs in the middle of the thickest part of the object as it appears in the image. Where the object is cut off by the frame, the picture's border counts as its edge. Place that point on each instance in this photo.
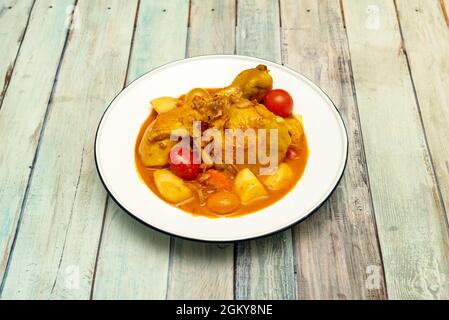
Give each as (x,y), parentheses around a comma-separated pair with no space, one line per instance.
(410,256)
(354,92)
(41,283)
(44,122)
(92,289)
(316,46)
(412,81)
(146,249)
(211,30)
(10,69)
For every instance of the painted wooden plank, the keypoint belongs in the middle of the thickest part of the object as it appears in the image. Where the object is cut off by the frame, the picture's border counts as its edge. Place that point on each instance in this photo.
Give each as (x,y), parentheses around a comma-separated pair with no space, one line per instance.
(14,17)
(258,29)
(24,107)
(55,250)
(212,27)
(410,218)
(200,270)
(336,249)
(264,267)
(160,36)
(133,259)
(430,70)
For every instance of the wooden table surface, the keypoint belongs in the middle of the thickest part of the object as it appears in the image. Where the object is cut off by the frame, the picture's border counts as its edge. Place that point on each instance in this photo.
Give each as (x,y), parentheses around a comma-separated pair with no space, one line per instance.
(383,234)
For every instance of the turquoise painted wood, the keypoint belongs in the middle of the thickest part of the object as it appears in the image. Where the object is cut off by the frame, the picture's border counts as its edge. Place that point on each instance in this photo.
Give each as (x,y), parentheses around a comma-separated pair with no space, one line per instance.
(430,71)
(197,270)
(336,249)
(62,237)
(55,251)
(25,103)
(409,212)
(13,23)
(264,267)
(135,256)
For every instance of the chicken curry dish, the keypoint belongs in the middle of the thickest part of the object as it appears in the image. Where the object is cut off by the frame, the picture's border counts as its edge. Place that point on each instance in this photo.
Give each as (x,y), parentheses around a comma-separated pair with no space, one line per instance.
(228,151)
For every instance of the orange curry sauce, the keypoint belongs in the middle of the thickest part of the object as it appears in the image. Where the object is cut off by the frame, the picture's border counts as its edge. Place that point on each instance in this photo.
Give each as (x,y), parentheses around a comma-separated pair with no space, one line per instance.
(193,205)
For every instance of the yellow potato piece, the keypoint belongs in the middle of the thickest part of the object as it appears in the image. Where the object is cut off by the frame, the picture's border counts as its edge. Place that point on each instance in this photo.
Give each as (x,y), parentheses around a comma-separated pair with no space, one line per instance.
(171,187)
(164,104)
(279,179)
(248,187)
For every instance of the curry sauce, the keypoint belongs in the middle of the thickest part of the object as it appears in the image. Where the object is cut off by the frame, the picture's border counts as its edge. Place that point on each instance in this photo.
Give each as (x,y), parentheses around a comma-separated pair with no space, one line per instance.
(183,172)
(194,206)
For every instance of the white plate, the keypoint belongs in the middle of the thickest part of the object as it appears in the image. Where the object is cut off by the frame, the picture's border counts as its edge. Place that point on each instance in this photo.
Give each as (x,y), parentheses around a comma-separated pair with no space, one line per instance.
(118,129)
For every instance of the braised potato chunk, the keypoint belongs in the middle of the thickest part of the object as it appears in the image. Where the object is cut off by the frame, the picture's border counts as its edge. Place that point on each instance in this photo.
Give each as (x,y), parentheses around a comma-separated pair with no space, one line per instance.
(171,187)
(248,187)
(164,104)
(279,179)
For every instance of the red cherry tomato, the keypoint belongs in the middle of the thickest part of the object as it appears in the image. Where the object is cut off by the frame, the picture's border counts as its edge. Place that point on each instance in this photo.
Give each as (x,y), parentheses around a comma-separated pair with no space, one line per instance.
(291,154)
(182,164)
(279,102)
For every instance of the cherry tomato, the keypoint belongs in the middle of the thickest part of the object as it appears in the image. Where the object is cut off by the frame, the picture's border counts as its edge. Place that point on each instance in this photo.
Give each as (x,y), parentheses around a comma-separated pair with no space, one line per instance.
(223,202)
(279,102)
(182,164)
(291,153)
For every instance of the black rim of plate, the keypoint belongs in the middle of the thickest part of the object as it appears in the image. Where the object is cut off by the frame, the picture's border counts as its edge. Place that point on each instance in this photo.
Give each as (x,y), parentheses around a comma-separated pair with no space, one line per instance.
(315,209)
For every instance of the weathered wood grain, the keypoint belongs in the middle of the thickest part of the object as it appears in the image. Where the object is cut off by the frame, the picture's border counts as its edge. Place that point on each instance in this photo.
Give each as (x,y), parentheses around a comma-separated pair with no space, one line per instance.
(133,259)
(429,66)
(264,267)
(258,29)
(56,246)
(14,18)
(24,106)
(199,270)
(409,214)
(336,248)
(212,27)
